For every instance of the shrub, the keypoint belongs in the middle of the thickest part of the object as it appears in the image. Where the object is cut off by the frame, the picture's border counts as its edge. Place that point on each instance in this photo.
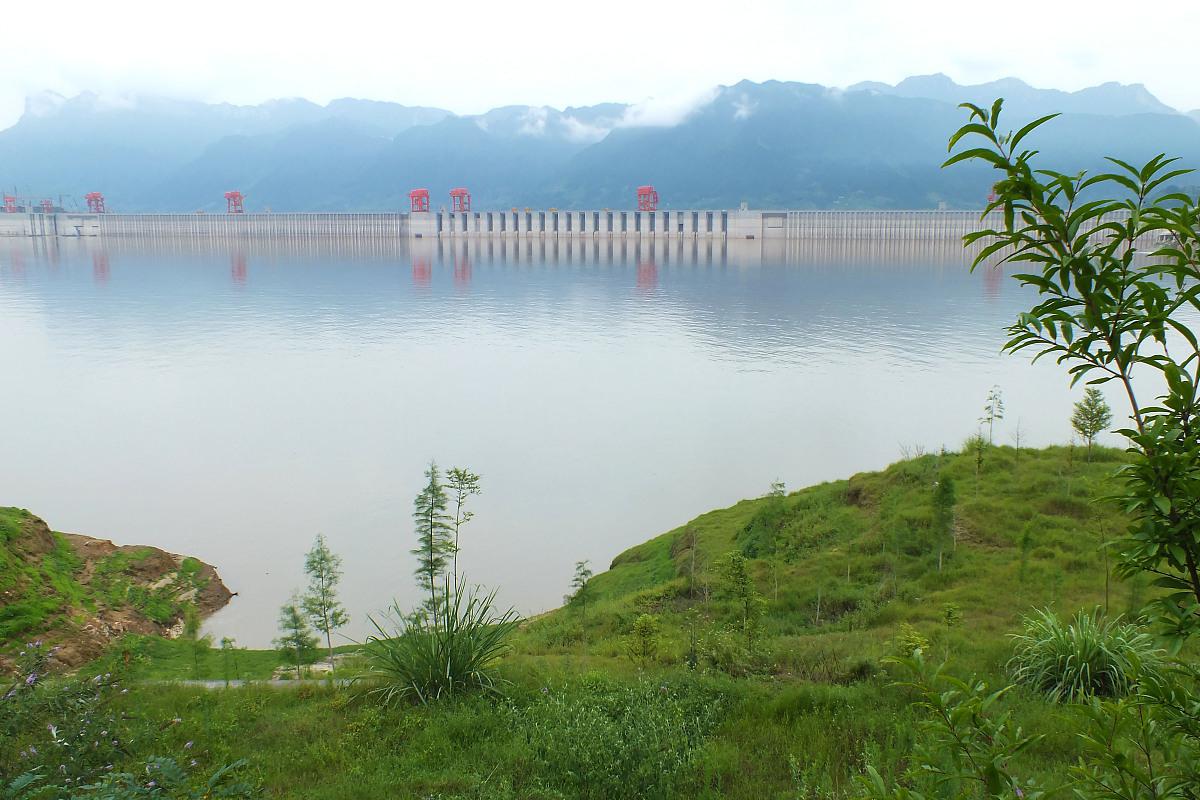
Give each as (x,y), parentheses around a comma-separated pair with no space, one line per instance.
(1090,657)
(606,740)
(642,645)
(427,661)
(908,640)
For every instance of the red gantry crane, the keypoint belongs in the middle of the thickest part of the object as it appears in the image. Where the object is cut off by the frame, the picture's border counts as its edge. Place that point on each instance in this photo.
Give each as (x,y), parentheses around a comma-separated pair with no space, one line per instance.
(647,198)
(95,202)
(460,200)
(233,202)
(418,200)
(10,204)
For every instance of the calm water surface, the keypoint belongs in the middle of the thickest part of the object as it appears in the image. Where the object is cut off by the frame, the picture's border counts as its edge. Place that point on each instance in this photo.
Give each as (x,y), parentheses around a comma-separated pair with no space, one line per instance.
(230,402)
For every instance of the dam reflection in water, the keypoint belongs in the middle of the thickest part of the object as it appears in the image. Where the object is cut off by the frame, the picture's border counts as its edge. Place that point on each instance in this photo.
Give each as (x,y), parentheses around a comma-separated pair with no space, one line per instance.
(230,400)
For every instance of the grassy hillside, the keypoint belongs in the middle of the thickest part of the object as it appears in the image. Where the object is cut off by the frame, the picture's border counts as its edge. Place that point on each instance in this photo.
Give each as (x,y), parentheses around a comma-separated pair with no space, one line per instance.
(842,564)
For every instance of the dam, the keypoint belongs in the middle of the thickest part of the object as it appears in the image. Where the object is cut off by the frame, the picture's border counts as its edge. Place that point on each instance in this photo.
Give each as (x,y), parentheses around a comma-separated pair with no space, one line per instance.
(521,224)
(526,224)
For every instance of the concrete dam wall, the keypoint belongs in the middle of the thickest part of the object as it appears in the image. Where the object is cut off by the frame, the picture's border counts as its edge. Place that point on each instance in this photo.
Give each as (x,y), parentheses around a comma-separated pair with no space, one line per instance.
(516,224)
(698,224)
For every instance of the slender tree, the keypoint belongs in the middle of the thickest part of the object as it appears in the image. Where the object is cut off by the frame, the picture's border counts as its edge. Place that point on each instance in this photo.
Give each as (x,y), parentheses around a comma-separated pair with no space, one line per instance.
(434,535)
(739,585)
(463,485)
(579,585)
(1091,418)
(228,652)
(1108,315)
(943,513)
(199,645)
(296,638)
(320,602)
(993,412)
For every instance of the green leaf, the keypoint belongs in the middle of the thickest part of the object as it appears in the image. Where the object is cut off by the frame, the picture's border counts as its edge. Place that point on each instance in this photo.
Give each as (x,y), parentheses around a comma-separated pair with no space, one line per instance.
(973,127)
(980,153)
(1025,131)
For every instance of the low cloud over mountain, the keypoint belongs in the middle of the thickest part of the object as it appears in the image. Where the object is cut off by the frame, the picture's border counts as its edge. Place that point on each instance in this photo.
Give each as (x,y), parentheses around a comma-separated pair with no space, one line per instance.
(776,144)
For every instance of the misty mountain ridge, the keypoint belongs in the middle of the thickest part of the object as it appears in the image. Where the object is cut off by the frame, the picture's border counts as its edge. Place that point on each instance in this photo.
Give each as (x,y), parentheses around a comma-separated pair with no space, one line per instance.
(772,144)
(1108,99)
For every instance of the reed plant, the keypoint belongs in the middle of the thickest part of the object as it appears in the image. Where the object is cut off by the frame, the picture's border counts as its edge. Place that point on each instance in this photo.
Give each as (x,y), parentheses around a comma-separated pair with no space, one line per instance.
(1090,656)
(427,657)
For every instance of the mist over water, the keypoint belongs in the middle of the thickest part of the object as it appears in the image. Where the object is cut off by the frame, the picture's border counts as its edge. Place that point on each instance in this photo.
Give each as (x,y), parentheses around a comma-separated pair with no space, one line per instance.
(230,401)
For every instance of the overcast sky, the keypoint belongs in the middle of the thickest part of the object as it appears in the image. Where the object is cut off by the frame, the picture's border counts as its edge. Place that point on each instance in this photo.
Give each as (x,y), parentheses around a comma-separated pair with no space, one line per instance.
(470,56)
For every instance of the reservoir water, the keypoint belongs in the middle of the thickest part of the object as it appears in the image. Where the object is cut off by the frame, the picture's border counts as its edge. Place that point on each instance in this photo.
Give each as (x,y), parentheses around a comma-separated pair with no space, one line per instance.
(230,401)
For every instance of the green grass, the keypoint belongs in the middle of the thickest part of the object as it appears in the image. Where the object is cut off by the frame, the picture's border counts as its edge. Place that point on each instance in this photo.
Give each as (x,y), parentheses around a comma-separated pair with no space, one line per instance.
(36,591)
(809,706)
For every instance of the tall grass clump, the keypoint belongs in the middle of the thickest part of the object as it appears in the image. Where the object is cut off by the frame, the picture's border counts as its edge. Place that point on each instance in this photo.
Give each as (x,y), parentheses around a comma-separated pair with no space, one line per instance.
(426,657)
(1091,656)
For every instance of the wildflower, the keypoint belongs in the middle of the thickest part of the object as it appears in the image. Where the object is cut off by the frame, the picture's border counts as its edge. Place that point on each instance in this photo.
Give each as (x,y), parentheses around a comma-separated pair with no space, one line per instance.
(193,762)
(151,784)
(545,690)
(33,750)
(124,691)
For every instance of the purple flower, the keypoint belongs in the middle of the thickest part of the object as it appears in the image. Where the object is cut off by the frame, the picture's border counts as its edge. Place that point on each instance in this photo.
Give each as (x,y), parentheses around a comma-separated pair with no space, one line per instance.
(32,679)
(188,746)
(193,762)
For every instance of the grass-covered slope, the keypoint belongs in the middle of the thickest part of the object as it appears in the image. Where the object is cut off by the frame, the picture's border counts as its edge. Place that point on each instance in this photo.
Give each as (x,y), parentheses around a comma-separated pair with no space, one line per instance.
(81,593)
(37,574)
(842,564)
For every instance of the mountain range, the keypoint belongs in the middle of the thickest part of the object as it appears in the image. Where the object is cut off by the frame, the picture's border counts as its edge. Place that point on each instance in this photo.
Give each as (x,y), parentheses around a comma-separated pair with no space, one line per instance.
(770,144)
